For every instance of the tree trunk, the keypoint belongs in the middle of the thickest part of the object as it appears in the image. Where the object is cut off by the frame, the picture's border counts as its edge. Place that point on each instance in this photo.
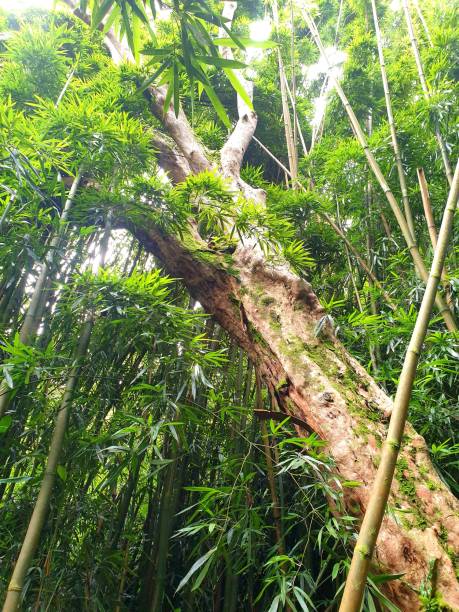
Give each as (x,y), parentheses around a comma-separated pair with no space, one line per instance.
(272,314)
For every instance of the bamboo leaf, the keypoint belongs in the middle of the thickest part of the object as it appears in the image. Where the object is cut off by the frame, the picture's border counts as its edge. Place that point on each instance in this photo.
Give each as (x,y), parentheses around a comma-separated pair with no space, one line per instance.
(240,90)
(62,472)
(217,105)
(100,11)
(176,87)
(194,568)
(15,479)
(8,378)
(220,62)
(5,423)
(246,42)
(154,76)
(202,574)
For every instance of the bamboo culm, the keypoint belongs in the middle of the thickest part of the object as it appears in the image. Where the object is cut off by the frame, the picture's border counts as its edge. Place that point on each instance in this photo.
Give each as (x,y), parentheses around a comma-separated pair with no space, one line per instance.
(363,552)
(414,251)
(425,196)
(38,301)
(393,132)
(426,91)
(37,520)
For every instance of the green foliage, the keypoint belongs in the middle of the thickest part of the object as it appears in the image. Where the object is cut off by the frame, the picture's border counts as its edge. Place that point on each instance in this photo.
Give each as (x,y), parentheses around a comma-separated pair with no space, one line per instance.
(35,64)
(163,488)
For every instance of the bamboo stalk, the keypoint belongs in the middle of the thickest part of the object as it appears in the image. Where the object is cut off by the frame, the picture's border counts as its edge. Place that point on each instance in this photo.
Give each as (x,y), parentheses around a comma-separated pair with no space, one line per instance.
(277,517)
(297,122)
(37,520)
(425,196)
(386,225)
(426,91)
(363,552)
(373,349)
(427,207)
(287,119)
(390,119)
(6,210)
(291,152)
(414,251)
(37,303)
(293,92)
(423,22)
(31,321)
(349,264)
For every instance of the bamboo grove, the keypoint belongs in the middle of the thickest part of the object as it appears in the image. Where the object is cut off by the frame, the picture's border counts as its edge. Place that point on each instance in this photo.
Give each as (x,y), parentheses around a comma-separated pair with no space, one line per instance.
(227,240)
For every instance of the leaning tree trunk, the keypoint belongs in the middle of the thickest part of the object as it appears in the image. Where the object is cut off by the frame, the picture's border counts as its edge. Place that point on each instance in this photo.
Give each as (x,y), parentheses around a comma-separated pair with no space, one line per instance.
(273,315)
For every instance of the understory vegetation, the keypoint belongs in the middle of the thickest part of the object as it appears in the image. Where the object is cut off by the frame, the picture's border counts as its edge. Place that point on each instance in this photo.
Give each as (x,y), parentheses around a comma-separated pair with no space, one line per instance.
(177,483)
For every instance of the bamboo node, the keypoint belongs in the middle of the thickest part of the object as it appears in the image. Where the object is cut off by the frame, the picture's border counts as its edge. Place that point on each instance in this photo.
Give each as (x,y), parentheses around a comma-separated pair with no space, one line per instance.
(364,551)
(393,443)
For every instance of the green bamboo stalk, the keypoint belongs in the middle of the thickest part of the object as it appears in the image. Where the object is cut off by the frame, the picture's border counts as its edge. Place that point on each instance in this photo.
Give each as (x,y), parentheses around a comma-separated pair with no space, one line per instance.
(276,509)
(297,122)
(363,552)
(427,207)
(38,301)
(426,91)
(425,196)
(291,149)
(292,94)
(37,520)
(414,251)
(32,319)
(375,354)
(423,22)
(6,210)
(390,119)
(167,511)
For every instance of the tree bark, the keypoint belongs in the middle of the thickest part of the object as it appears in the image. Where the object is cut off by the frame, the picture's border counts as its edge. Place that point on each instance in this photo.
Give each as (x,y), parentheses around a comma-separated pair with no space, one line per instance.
(273,314)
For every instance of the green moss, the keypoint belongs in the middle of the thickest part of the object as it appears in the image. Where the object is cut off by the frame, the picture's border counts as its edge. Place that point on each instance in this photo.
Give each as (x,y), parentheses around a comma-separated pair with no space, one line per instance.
(423,470)
(267,300)
(434,604)
(274,321)
(443,535)
(431,485)
(406,483)
(256,336)
(362,430)
(236,302)
(281,384)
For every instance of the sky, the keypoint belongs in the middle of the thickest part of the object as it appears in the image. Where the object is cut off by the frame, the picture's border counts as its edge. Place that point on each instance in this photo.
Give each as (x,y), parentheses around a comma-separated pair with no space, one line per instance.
(13,5)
